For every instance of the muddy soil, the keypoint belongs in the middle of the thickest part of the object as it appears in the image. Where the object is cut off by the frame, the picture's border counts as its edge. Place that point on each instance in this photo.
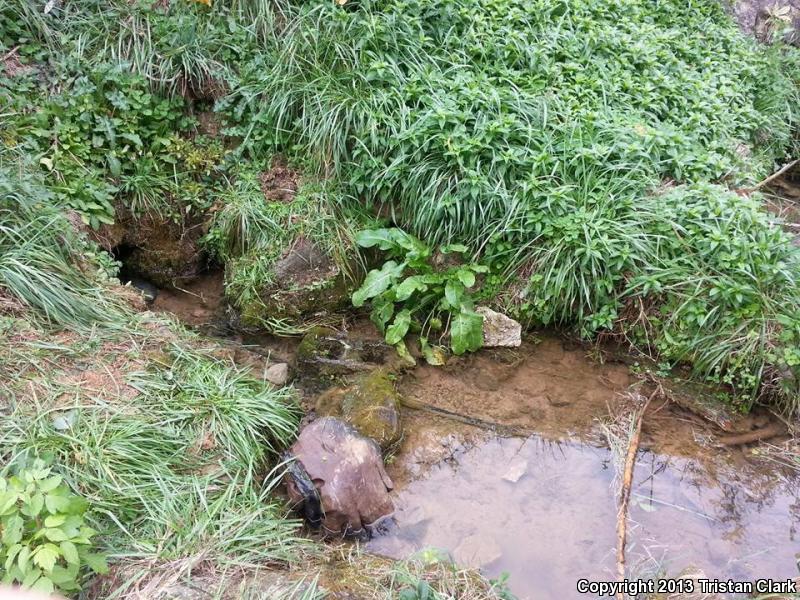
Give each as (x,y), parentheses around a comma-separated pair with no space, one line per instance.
(195,303)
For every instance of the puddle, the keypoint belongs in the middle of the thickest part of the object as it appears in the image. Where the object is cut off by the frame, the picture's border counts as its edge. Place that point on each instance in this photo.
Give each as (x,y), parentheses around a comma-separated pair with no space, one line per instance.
(545,512)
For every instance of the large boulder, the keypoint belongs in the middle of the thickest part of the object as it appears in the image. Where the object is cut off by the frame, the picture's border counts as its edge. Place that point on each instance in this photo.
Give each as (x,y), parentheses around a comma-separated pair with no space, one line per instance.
(337,480)
(370,404)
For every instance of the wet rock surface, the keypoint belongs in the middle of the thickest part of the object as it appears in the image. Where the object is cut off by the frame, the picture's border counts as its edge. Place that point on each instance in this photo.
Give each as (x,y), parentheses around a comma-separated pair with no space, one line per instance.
(370,404)
(347,472)
(325,356)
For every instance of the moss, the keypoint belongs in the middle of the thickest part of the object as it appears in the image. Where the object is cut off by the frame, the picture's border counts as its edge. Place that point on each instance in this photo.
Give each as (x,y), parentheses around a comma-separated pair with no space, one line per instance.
(370,404)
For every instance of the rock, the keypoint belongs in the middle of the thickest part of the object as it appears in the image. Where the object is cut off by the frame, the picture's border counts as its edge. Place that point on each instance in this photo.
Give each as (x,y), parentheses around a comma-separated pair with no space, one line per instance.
(350,493)
(370,404)
(476,552)
(278,374)
(516,470)
(305,281)
(769,20)
(325,356)
(160,251)
(499,330)
(148,290)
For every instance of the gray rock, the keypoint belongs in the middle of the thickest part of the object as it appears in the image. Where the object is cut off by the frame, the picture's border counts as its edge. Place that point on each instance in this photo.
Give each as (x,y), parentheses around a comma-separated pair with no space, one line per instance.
(278,374)
(352,486)
(499,330)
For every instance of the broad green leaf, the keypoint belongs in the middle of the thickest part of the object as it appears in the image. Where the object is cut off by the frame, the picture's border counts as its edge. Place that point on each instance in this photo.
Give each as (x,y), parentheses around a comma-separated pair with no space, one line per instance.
(24,556)
(410,285)
(466,332)
(55,535)
(43,585)
(382,311)
(383,238)
(8,501)
(45,556)
(64,578)
(31,577)
(132,137)
(466,277)
(453,293)
(70,552)
(399,327)
(377,282)
(55,520)
(50,483)
(34,507)
(460,248)
(114,166)
(96,563)
(12,530)
(11,554)
(55,503)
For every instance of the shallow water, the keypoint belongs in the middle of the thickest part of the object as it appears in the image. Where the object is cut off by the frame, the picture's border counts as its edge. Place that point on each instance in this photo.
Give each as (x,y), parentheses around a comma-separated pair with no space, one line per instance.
(545,512)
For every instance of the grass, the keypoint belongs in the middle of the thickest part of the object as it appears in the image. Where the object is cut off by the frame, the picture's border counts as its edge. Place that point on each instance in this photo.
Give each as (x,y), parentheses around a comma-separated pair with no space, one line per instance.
(574,166)
(170,445)
(39,256)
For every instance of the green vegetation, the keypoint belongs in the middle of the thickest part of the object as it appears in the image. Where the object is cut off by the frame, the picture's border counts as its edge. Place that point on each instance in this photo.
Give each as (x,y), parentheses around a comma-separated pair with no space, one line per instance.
(425,295)
(583,164)
(45,543)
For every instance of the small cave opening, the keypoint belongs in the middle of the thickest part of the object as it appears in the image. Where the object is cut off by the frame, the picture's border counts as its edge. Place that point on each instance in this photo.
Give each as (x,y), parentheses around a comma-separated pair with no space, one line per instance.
(130,276)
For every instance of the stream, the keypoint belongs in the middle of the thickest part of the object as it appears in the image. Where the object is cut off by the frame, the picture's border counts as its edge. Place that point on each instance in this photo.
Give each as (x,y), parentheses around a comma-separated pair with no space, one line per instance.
(543,507)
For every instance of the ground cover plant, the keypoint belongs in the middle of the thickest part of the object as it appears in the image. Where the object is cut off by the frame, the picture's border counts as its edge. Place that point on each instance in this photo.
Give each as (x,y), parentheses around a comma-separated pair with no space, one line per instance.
(580,164)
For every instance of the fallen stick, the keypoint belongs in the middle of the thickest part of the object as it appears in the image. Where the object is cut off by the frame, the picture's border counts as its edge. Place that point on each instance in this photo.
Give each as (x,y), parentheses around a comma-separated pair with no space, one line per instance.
(625,492)
(772,177)
(765,433)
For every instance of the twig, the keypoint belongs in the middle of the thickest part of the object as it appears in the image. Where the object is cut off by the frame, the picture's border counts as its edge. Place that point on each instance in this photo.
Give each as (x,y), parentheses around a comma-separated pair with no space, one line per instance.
(10,53)
(765,433)
(625,493)
(772,177)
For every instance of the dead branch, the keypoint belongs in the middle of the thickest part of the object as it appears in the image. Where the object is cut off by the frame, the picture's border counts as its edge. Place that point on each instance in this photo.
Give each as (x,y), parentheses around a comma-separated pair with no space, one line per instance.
(765,433)
(772,177)
(625,492)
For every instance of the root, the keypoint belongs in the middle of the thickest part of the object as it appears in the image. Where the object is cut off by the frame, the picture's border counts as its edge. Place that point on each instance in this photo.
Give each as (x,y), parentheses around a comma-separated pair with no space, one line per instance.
(765,433)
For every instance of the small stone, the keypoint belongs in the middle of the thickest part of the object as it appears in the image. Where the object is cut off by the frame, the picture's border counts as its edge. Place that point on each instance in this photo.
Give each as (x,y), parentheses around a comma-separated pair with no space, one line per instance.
(476,552)
(499,330)
(278,374)
(516,470)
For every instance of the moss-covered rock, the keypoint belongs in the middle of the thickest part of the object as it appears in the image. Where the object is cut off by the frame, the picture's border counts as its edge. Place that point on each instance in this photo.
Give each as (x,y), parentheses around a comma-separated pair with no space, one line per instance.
(370,404)
(305,281)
